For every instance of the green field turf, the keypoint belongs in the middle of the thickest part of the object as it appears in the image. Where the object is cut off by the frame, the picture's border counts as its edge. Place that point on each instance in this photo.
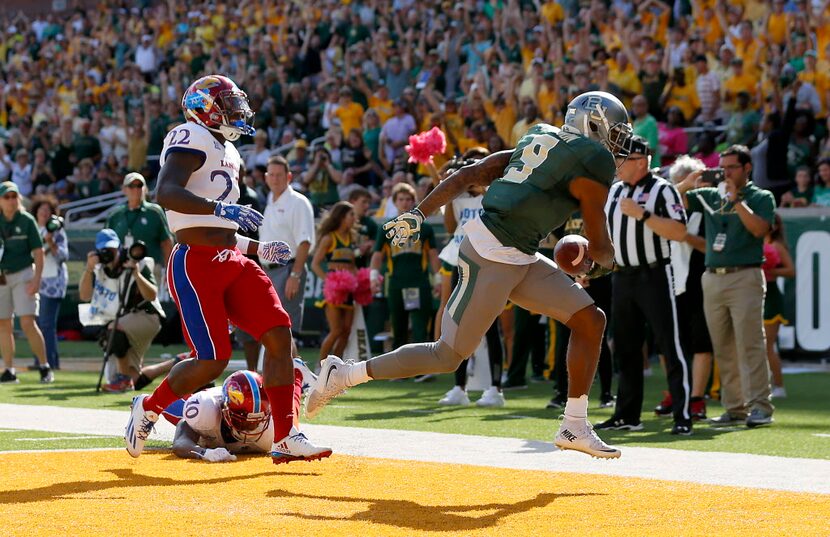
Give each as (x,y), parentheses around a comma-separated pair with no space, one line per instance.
(411,406)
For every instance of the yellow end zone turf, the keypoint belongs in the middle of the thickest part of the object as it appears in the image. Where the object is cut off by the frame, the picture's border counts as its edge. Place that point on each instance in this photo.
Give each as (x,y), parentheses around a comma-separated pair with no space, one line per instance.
(107,493)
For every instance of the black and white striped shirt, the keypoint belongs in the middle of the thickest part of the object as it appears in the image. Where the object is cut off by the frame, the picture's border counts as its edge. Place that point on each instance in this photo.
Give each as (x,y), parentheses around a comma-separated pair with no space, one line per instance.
(635,244)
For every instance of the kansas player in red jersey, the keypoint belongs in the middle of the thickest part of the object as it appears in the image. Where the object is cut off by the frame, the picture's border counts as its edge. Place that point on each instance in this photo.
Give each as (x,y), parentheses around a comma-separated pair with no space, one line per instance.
(210,279)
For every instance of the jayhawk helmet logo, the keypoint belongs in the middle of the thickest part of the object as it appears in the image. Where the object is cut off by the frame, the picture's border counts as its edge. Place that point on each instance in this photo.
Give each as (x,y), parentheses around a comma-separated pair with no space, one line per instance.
(245,407)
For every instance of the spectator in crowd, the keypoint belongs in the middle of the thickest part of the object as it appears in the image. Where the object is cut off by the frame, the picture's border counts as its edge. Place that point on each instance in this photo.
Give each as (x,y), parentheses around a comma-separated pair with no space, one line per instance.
(21,269)
(54,277)
(298,164)
(672,135)
(110,273)
(645,214)
(707,85)
(778,263)
(336,247)
(408,285)
(736,216)
(394,135)
(645,124)
(321,180)
(821,192)
(365,226)
(801,195)
(742,126)
(288,217)
(688,265)
(258,156)
(141,220)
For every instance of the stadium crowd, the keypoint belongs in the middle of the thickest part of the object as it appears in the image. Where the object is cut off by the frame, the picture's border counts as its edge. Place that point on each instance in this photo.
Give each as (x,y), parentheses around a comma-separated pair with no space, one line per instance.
(339,86)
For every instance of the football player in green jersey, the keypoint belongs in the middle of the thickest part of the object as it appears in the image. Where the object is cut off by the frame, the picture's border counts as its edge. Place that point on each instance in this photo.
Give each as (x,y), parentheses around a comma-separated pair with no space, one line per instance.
(533,190)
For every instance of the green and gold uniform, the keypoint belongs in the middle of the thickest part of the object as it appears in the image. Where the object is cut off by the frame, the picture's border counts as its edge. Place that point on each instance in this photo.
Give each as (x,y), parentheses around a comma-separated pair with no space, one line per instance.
(367,230)
(532,198)
(341,252)
(408,288)
(497,260)
(147,223)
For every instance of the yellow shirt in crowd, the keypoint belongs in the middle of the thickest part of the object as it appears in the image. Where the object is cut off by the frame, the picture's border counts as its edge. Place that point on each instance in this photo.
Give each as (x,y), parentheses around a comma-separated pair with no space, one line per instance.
(351,117)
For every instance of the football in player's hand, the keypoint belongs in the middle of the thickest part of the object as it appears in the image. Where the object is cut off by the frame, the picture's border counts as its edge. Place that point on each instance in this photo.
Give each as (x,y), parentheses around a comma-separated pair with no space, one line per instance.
(571,254)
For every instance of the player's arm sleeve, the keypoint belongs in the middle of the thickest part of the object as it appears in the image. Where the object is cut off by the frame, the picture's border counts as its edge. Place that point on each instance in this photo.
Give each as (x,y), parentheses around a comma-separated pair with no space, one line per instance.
(670,205)
(187,139)
(185,442)
(600,166)
(380,239)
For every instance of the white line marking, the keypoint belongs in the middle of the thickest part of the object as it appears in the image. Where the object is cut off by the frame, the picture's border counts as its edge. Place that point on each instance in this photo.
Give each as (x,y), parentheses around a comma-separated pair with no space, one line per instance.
(822,435)
(57,438)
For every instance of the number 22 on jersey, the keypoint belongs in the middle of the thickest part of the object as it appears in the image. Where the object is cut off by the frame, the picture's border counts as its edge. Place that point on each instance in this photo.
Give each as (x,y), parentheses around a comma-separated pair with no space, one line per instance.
(533,155)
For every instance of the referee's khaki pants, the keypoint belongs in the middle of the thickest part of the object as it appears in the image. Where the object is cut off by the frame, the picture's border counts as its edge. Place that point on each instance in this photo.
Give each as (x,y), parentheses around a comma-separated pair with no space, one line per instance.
(734,307)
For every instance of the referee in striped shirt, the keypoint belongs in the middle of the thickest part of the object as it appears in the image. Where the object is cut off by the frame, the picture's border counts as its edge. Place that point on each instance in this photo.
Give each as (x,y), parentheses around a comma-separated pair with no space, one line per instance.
(645,213)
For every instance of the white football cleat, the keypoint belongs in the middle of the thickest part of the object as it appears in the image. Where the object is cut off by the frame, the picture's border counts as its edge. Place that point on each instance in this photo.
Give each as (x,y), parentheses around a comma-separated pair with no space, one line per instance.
(139,427)
(579,435)
(296,447)
(455,397)
(491,397)
(309,377)
(331,382)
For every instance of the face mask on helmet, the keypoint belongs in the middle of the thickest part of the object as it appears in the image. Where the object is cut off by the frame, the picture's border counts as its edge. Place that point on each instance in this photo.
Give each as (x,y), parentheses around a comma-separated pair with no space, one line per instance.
(228,113)
(589,114)
(244,426)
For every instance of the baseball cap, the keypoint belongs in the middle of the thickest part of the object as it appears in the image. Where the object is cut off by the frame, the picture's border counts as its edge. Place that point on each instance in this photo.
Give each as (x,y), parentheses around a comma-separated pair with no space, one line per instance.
(106,238)
(8,186)
(639,146)
(300,144)
(134,176)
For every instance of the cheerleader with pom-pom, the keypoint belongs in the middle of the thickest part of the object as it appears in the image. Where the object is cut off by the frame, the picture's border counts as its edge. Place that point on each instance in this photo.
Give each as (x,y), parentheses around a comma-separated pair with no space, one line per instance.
(335,247)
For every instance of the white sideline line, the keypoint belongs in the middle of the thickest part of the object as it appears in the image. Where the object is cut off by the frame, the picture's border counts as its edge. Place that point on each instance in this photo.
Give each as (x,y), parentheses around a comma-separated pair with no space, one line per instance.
(55,438)
(822,435)
(712,468)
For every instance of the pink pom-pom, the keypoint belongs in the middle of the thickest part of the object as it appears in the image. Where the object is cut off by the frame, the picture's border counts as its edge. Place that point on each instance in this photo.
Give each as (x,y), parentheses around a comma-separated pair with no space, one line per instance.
(338,286)
(363,293)
(425,145)
(771,259)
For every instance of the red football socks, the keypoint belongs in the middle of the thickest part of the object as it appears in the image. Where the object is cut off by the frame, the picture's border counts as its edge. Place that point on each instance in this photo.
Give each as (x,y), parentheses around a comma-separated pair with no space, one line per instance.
(161,398)
(298,396)
(282,411)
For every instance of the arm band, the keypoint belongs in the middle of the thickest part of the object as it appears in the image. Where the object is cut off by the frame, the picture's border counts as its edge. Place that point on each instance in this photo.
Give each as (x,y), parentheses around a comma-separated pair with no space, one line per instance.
(242,243)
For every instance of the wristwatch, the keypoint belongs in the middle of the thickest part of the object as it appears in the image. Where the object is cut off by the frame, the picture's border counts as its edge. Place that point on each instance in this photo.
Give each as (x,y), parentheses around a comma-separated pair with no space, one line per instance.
(646,215)
(296,275)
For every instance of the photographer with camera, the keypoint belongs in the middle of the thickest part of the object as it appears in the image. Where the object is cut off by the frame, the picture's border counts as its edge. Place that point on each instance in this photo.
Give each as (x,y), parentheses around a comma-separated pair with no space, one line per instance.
(120,286)
(55,275)
(736,215)
(21,265)
(321,180)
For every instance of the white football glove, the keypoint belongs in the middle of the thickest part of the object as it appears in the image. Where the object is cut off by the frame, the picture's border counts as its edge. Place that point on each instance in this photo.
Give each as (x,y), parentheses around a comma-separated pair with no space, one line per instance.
(216,455)
(404,228)
(274,252)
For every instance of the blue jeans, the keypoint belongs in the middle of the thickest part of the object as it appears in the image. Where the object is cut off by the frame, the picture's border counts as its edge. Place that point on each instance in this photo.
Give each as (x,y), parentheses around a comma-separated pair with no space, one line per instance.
(48,323)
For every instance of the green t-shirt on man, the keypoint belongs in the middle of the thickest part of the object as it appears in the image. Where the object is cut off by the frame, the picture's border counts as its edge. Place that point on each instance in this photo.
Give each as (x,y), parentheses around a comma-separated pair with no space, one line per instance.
(147,223)
(723,225)
(19,237)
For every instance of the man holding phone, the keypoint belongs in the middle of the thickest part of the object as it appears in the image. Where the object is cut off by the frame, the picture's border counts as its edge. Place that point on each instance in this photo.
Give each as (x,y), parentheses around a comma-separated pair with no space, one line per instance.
(737,215)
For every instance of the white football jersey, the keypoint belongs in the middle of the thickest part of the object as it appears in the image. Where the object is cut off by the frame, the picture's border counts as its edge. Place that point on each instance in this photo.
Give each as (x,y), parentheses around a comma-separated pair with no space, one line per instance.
(217,179)
(203,413)
(465,207)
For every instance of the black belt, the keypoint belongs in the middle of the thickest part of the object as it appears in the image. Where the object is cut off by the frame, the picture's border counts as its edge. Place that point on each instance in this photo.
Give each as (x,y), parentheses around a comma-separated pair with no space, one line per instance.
(638,268)
(729,270)
(271,266)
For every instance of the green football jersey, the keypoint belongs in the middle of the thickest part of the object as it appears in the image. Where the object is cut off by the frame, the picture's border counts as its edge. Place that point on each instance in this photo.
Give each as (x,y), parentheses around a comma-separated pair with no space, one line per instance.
(532,198)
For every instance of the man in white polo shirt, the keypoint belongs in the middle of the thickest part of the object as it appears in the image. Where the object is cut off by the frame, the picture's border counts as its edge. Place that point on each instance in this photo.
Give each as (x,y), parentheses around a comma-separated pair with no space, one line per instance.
(289,218)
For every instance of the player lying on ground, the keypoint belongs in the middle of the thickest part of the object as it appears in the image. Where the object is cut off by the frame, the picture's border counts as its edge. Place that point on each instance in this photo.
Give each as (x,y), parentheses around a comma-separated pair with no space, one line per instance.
(532,190)
(218,423)
(210,279)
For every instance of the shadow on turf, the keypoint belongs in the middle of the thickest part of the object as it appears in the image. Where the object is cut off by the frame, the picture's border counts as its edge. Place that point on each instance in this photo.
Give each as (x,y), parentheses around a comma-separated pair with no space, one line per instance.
(415,516)
(56,392)
(126,478)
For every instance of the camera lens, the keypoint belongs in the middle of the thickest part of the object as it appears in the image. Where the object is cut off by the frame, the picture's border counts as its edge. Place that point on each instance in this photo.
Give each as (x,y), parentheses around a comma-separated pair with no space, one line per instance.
(137,251)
